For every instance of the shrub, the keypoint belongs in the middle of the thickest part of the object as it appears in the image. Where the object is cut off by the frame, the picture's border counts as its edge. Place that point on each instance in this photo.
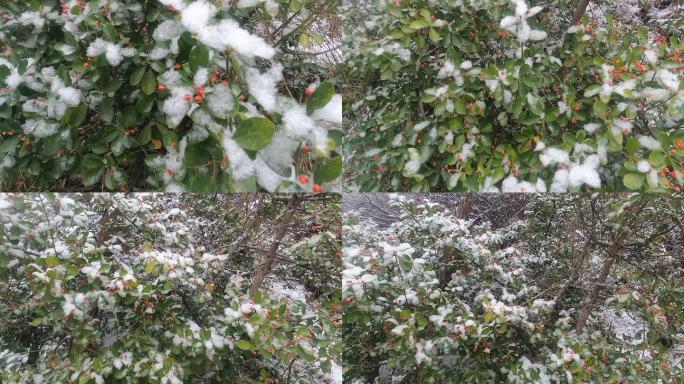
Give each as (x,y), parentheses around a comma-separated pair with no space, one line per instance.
(475,95)
(134,295)
(169,94)
(506,309)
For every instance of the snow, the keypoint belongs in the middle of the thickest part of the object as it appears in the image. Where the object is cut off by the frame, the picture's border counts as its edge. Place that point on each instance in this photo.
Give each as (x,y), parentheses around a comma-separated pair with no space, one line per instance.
(649,142)
(201,77)
(413,165)
(518,24)
(14,79)
(297,123)
(196,16)
(263,85)
(591,128)
(622,126)
(40,128)
(331,112)
(175,107)
(32,18)
(70,96)
(168,30)
(643,166)
(512,185)
(227,33)
(220,101)
(113,52)
(552,156)
(585,173)
(241,166)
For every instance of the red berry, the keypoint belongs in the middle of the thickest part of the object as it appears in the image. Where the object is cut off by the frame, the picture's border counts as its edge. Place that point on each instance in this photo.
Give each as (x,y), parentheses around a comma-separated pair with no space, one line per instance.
(86,65)
(317,188)
(198,99)
(187,98)
(303,179)
(177,66)
(309,91)
(200,91)
(306,149)
(161,87)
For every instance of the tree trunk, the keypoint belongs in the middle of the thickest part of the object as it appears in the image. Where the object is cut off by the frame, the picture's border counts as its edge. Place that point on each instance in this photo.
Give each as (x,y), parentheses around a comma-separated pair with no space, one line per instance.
(445,270)
(579,11)
(266,263)
(593,296)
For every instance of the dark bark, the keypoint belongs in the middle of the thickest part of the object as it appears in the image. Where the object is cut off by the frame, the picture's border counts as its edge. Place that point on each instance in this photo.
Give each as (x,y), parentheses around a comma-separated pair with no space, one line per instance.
(267,261)
(594,294)
(579,11)
(445,264)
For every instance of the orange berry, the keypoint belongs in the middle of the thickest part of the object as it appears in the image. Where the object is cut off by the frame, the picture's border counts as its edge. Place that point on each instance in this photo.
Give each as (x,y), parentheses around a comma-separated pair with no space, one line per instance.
(317,188)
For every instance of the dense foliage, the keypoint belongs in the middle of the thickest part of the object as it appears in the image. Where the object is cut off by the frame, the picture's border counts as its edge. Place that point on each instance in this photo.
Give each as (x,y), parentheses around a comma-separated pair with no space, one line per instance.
(151,288)
(582,290)
(471,95)
(168,95)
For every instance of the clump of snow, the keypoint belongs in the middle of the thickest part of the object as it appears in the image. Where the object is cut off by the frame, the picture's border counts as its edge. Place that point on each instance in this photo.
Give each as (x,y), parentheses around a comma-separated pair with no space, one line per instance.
(113,52)
(649,142)
(201,77)
(40,128)
(263,85)
(176,106)
(518,24)
(552,156)
(70,96)
(168,30)
(331,112)
(241,166)
(221,101)
(227,33)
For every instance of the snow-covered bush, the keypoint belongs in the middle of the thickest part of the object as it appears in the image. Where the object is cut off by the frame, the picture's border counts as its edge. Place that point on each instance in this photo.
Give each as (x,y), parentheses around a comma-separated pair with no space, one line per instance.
(435,299)
(476,95)
(166,94)
(127,289)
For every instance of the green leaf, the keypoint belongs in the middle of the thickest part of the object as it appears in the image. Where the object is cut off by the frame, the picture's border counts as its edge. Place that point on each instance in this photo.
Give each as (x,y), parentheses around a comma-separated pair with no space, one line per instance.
(245,345)
(149,266)
(110,33)
(136,77)
(77,115)
(329,170)
(145,135)
(633,181)
(254,133)
(52,144)
(321,97)
(149,83)
(107,109)
(9,145)
(199,57)
(600,108)
(406,263)
(51,260)
(657,159)
(197,155)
